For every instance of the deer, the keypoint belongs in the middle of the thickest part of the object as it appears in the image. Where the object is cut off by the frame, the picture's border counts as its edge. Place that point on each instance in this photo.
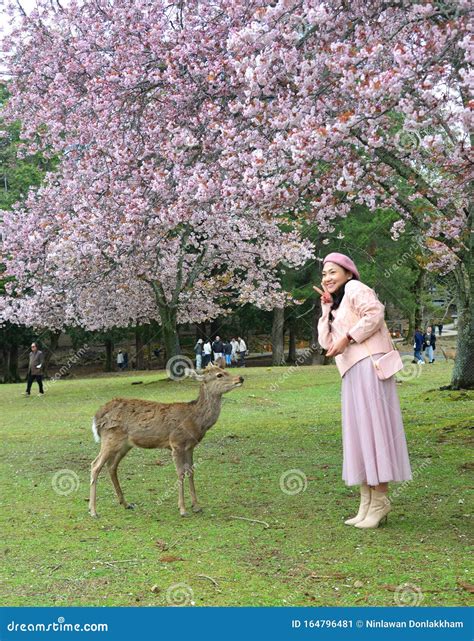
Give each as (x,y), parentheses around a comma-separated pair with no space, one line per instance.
(124,423)
(449,354)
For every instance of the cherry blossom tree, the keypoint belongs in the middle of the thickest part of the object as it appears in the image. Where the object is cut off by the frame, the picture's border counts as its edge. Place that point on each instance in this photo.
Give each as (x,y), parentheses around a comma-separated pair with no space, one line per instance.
(200,133)
(369,103)
(144,218)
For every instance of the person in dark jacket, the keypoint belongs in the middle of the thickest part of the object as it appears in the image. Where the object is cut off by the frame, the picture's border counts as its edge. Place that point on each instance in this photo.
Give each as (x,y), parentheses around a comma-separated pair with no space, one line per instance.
(429,342)
(228,353)
(218,350)
(418,347)
(35,369)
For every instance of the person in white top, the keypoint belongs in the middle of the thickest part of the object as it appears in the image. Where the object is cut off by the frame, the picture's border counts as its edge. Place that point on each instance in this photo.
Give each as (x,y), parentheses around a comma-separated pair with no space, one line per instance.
(120,360)
(206,353)
(198,350)
(235,349)
(241,350)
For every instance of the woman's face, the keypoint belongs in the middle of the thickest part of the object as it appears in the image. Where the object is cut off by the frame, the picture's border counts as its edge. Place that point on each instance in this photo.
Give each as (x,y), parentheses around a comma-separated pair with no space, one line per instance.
(334,277)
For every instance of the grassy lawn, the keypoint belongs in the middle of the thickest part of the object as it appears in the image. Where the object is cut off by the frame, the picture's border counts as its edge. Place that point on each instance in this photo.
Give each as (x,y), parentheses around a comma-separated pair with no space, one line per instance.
(282,419)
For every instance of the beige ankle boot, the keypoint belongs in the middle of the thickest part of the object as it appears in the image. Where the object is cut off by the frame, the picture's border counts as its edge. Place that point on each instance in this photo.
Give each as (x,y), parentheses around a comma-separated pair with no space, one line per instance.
(363,507)
(379,508)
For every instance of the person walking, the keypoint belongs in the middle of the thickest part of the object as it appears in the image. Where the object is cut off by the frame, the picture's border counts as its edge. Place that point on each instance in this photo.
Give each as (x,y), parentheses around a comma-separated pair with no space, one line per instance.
(207,353)
(198,349)
(429,341)
(241,351)
(352,329)
(35,369)
(440,328)
(418,347)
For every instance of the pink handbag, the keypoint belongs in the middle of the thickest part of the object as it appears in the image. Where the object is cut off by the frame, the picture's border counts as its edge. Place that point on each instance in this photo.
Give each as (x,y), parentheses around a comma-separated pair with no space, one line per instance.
(389,364)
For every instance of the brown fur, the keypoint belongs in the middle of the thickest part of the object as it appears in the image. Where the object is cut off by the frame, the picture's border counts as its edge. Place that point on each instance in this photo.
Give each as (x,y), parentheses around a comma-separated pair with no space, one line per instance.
(449,354)
(124,423)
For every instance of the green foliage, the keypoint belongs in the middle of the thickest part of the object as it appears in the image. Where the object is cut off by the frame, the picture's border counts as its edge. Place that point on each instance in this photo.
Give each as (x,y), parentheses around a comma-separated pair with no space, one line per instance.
(390,267)
(17,173)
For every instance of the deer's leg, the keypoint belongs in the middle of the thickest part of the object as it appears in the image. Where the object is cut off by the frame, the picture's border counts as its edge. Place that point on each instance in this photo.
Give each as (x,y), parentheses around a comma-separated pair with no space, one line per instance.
(97,464)
(190,473)
(179,461)
(112,464)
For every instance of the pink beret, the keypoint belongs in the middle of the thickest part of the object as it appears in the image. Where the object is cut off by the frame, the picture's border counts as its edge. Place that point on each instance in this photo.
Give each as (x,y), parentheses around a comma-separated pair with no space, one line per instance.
(343,261)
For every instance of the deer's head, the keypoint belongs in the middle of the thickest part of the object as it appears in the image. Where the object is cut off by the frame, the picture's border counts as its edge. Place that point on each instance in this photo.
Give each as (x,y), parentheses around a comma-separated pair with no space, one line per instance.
(217,381)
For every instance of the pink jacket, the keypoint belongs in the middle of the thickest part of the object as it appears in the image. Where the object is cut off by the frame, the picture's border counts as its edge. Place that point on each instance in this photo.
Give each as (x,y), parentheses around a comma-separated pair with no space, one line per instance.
(362,315)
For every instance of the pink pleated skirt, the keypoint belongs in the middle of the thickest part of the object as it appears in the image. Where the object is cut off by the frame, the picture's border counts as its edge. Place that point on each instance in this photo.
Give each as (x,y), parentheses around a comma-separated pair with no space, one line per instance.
(373,438)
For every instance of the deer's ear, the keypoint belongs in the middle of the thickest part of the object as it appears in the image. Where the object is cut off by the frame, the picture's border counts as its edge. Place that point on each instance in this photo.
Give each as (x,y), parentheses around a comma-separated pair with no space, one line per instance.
(191,373)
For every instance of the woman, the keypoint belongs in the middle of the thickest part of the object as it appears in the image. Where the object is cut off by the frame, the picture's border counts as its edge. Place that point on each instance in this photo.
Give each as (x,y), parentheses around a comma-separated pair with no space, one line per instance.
(429,342)
(206,353)
(352,329)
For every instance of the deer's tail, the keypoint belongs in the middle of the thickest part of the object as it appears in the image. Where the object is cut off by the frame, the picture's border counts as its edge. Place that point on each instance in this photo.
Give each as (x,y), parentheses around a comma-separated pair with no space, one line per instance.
(95,432)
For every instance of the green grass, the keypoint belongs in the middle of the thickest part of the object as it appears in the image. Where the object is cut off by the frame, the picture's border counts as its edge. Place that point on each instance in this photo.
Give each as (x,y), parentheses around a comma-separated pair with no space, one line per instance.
(54,553)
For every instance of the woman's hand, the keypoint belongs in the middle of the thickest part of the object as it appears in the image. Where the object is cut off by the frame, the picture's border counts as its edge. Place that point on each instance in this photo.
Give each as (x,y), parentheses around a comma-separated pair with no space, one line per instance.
(338,347)
(325,295)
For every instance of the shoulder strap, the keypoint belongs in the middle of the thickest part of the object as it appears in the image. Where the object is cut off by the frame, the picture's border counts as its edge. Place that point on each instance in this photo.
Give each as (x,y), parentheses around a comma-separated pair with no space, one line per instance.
(391,340)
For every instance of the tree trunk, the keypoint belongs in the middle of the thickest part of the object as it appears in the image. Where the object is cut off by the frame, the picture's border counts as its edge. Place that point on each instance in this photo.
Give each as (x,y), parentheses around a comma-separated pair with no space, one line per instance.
(10,363)
(317,356)
(200,330)
(292,342)
(13,374)
(109,352)
(149,355)
(5,364)
(278,354)
(50,349)
(463,372)
(170,331)
(411,328)
(418,290)
(139,349)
